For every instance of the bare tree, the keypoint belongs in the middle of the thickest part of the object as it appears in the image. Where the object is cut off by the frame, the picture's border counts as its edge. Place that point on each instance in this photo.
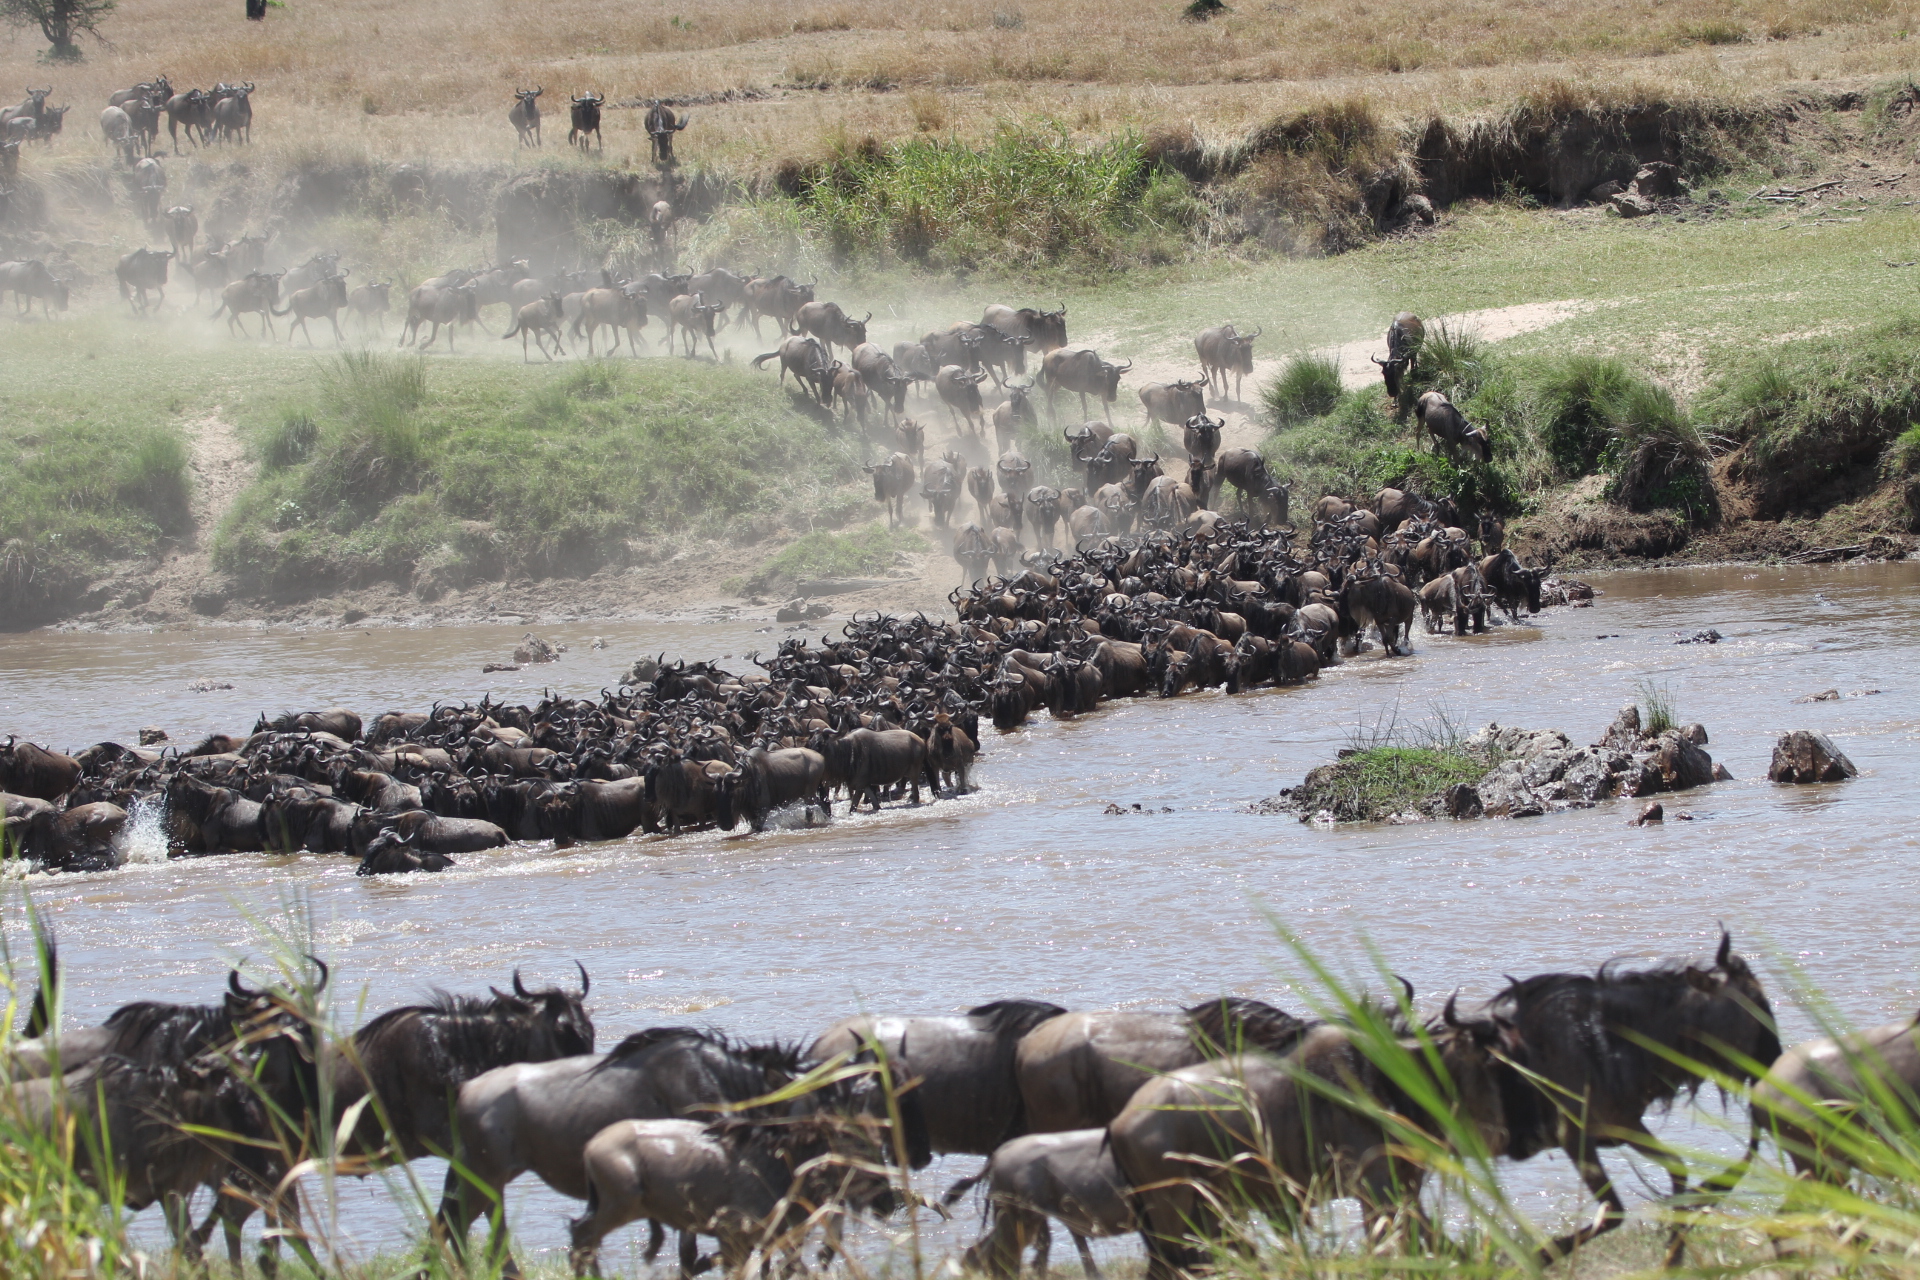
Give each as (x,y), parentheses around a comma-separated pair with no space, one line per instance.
(60,21)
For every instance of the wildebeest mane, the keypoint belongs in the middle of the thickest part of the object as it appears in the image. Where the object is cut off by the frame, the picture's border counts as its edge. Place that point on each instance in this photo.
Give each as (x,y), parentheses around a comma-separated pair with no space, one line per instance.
(774,1055)
(1013,1018)
(449,1039)
(1233,1023)
(151,1032)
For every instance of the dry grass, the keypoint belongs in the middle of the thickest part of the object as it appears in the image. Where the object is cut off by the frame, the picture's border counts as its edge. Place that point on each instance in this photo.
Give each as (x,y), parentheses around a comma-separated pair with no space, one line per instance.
(433,78)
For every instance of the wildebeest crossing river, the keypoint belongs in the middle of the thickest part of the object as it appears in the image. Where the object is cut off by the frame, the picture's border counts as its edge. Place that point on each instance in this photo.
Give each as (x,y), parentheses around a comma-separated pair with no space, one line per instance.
(1030,887)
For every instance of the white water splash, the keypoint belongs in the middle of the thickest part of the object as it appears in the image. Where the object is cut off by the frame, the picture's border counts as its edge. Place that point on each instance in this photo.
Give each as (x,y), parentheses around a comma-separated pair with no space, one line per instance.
(144,838)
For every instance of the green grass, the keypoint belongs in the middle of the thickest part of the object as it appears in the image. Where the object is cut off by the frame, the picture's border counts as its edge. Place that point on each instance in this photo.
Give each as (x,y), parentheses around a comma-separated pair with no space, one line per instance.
(1659,715)
(1376,783)
(1307,388)
(393,468)
(860,553)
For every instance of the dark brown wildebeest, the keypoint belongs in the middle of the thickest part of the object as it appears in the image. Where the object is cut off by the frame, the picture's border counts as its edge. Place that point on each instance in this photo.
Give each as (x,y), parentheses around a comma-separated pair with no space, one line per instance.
(1449,427)
(693,317)
(960,392)
(869,762)
(1201,436)
(827,322)
(194,110)
(29,280)
(1045,330)
(323,299)
(1512,585)
(885,379)
(1279,1136)
(256,291)
(1069,1176)
(619,308)
(441,308)
(850,389)
(807,361)
(1009,513)
(1084,444)
(971,550)
(1404,338)
(1114,463)
(1077,1071)
(957,346)
(586,120)
(371,303)
(1014,472)
(1174,403)
(1081,370)
(766,781)
(141,270)
(1609,1046)
(1373,595)
(950,755)
(662,124)
(524,115)
(27,769)
(1223,351)
(776,298)
(1013,414)
(940,486)
(717,284)
(159,87)
(541,320)
(892,482)
(233,115)
(1492,534)
(1044,502)
(1247,471)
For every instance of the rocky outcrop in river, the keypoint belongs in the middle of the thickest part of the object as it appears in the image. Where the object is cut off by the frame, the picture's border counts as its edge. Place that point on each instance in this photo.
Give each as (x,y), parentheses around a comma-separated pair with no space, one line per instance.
(1541,771)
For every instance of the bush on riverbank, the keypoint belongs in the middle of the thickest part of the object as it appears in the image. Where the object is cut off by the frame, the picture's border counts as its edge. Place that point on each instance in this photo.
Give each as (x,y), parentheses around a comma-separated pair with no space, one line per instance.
(1374,784)
(395,470)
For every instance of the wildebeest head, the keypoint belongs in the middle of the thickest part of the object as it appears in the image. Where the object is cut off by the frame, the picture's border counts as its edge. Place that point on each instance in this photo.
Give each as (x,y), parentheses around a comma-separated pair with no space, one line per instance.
(1393,372)
(562,1013)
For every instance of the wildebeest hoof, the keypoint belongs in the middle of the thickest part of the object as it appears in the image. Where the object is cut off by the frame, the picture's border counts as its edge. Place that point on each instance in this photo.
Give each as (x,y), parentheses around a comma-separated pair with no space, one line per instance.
(1652,813)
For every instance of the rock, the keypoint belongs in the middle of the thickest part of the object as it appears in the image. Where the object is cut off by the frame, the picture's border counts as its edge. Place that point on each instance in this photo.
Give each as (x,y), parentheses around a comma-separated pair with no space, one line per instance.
(1699,637)
(208,686)
(1504,794)
(1805,756)
(1461,800)
(1652,813)
(352,616)
(1721,773)
(208,602)
(598,643)
(1592,775)
(1696,733)
(1416,208)
(492,667)
(1629,204)
(1624,733)
(533,649)
(1683,816)
(800,610)
(1658,180)
(1829,695)
(1605,191)
(152,735)
(1674,764)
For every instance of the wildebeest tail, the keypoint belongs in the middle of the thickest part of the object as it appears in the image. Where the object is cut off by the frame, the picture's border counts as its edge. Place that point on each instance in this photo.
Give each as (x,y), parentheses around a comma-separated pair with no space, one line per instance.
(965,1185)
(760,360)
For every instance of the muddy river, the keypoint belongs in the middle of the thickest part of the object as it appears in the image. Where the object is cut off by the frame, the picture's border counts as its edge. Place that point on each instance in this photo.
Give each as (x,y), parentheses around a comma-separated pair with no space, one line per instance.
(1030,887)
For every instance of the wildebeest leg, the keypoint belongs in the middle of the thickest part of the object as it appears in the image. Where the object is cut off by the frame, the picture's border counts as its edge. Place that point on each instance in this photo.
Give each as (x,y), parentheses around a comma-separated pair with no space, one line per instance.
(1087,1263)
(1610,1214)
(689,1255)
(179,1214)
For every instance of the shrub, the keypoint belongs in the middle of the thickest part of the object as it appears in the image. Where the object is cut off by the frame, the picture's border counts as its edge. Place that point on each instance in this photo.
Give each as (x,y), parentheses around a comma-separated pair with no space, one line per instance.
(1308,387)
(1576,400)
(153,477)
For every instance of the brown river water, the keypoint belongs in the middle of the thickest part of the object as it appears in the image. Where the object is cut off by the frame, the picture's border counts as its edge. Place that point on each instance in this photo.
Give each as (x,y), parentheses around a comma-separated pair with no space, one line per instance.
(1028,888)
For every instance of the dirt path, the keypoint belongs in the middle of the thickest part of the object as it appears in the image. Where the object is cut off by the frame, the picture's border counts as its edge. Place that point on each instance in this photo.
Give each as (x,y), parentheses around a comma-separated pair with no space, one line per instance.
(221,469)
(1243,427)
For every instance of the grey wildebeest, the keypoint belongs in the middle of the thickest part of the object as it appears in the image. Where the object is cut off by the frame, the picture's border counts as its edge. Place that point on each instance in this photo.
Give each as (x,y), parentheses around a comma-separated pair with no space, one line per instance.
(912,439)
(323,299)
(1404,338)
(1201,436)
(1175,403)
(1223,351)
(1069,1176)
(868,762)
(850,389)
(256,291)
(182,228)
(892,482)
(1373,595)
(776,298)
(968,1091)
(445,308)
(586,120)
(1449,427)
(960,392)
(524,115)
(1246,470)
(766,781)
(149,188)
(1044,330)
(539,1117)
(233,115)
(541,319)
(194,110)
(940,486)
(1078,1070)
(116,130)
(693,318)
(1605,1047)
(1825,1099)
(29,280)
(623,307)
(662,124)
(717,284)
(971,552)
(1281,1136)
(807,361)
(371,303)
(141,270)
(884,378)
(1043,504)
(1081,370)
(980,488)
(1012,414)
(827,322)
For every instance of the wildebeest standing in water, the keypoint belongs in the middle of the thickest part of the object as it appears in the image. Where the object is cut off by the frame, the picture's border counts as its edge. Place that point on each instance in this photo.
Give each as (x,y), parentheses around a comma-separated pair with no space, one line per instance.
(586,120)
(662,124)
(1610,1045)
(1847,1085)
(1070,1176)
(524,115)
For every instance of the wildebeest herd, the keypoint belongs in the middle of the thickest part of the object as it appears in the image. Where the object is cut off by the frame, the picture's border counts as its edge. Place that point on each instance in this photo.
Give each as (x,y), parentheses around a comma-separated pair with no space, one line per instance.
(1178,1125)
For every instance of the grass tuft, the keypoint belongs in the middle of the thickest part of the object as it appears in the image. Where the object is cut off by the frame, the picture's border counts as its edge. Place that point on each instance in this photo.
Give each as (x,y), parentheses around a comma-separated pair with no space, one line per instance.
(1308,387)
(1658,715)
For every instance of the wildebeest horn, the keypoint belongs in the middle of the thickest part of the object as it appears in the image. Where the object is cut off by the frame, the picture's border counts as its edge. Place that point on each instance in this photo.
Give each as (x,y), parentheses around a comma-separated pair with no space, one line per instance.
(586,983)
(1408,985)
(237,987)
(519,988)
(1725,952)
(1377,360)
(869,317)
(1448,1015)
(1122,368)
(325,973)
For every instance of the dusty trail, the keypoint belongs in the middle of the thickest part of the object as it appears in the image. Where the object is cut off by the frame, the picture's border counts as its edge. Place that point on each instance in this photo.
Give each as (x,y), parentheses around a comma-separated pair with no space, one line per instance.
(221,470)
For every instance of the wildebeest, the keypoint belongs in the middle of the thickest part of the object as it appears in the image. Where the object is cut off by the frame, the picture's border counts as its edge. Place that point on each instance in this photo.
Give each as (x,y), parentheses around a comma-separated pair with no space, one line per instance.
(323,299)
(618,308)
(694,317)
(149,187)
(1513,587)
(717,284)
(1045,330)
(1012,414)
(1373,595)
(233,115)
(541,319)
(1069,1176)
(1246,470)
(182,228)
(956,346)
(1043,501)
(960,392)
(1404,338)
(807,361)
(1081,370)
(882,376)
(869,762)
(766,781)
(980,487)
(141,270)
(1201,437)
(194,110)
(1078,1070)
(827,322)
(29,280)
(524,115)
(1279,1137)
(586,119)
(940,486)
(1826,1099)
(1449,427)
(441,307)
(116,130)
(1223,351)
(777,298)
(892,482)
(1608,1046)
(371,303)
(1174,403)
(256,291)
(971,551)
(662,124)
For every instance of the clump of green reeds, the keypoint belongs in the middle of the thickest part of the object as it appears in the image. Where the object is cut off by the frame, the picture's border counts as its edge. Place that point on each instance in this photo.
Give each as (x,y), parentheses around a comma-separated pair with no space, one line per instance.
(1308,387)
